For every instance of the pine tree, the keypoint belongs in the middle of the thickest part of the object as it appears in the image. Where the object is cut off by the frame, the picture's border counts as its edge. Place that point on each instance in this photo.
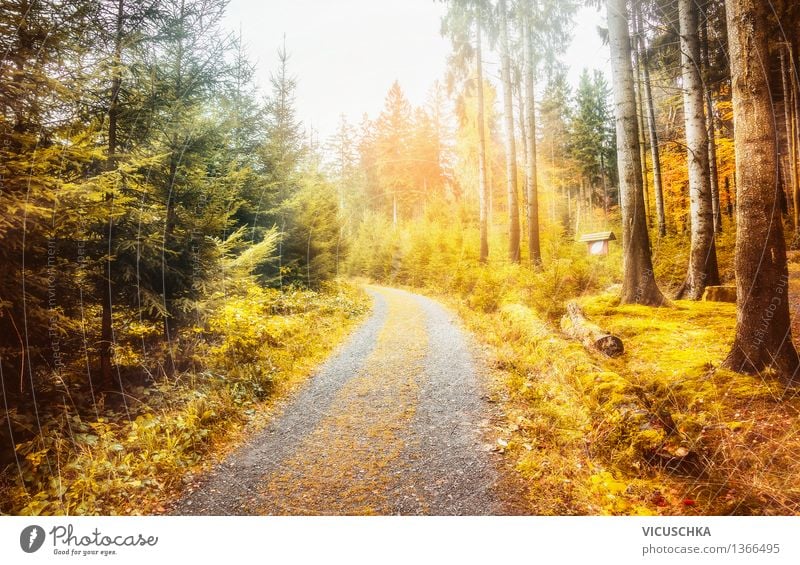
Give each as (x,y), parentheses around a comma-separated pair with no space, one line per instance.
(457,24)
(187,72)
(342,150)
(393,140)
(39,156)
(555,116)
(284,146)
(591,137)
(282,153)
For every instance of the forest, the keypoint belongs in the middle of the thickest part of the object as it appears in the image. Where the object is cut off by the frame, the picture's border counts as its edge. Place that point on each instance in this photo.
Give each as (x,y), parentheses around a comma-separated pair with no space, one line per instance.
(602,278)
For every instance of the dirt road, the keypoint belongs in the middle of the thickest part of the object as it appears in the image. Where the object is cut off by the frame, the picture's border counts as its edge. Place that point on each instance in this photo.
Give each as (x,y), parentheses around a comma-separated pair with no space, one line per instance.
(396,422)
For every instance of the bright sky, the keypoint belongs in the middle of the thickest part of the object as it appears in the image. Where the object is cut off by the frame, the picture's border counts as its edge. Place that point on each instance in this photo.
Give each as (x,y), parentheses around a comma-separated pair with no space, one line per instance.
(345,54)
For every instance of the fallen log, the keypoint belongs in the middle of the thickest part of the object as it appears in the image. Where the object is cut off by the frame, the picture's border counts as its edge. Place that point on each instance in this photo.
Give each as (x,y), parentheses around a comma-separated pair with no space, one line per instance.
(575,325)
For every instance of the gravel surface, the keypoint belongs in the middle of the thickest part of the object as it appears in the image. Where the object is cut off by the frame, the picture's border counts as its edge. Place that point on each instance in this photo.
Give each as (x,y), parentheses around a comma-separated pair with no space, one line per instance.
(452,422)
(394,423)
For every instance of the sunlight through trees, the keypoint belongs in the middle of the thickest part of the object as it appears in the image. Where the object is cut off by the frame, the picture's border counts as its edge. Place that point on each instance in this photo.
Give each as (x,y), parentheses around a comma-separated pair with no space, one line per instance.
(180,245)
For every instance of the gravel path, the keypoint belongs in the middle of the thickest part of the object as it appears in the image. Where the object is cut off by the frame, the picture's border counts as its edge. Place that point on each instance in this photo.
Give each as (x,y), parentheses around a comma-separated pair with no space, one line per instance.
(453,423)
(394,423)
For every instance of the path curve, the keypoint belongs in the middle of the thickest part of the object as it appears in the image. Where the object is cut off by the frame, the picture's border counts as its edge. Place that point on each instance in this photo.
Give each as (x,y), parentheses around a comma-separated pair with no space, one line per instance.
(396,422)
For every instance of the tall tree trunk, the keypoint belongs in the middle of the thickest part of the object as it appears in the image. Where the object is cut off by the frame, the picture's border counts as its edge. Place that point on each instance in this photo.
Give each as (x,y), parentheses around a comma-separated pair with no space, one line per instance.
(534,248)
(708,90)
(795,116)
(523,138)
(763,335)
(728,197)
(568,218)
(511,148)
(638,282)
(605,184)
(171,213)
(522,114)
(790,153)
(482,184)
(637,71)
(490,192)
(647,90)
(713,171)
(106,329)
(702,269)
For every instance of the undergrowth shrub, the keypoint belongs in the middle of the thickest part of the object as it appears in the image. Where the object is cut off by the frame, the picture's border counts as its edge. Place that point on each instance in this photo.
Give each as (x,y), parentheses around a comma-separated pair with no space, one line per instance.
(440,253)
(115,458)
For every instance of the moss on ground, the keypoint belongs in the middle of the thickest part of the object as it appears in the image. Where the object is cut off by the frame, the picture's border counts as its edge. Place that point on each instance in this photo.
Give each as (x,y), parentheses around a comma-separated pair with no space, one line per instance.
(699,437)
(660,430)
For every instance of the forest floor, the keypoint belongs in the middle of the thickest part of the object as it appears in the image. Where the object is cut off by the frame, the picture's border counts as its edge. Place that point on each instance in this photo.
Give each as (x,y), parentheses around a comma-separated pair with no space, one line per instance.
(402,420)
(254,348)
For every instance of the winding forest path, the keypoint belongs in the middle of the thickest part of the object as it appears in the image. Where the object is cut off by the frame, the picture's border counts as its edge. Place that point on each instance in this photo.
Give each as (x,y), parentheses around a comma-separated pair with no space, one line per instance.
(395,423)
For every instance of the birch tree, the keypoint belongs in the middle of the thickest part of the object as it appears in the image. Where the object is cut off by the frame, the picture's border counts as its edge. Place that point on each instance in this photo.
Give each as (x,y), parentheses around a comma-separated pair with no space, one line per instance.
(638,282)
(703,270)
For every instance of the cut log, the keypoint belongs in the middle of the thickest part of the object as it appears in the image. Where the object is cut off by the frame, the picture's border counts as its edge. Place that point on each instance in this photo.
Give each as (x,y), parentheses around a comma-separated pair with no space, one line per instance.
(720,294)
(592,336)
